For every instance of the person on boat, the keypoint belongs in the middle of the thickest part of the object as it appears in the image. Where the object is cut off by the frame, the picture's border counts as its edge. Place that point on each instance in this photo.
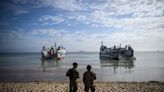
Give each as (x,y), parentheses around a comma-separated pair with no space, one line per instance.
(126,47)
(58,48)
(88,78)
(114,47)
(52,51)
(49,52)
(73,76)
(44,52)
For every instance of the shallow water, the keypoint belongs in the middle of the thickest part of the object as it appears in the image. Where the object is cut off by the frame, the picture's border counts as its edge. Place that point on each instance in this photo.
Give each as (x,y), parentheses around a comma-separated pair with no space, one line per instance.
(29,67)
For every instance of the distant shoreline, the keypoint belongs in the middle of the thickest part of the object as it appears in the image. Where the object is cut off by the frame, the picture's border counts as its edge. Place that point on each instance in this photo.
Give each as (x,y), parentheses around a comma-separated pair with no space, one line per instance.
(67,52)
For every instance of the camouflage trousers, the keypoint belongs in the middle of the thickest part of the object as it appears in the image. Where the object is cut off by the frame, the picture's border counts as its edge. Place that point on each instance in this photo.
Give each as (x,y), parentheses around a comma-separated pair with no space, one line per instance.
(72,86)
(92,88)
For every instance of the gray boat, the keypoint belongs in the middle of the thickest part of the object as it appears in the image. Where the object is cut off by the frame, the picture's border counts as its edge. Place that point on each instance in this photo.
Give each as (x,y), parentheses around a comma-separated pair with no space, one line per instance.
(116,52)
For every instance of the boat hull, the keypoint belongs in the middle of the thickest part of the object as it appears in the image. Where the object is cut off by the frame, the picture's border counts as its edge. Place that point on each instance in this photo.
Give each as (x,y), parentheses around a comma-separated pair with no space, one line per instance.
(108,57)
(54,57)
(116,53)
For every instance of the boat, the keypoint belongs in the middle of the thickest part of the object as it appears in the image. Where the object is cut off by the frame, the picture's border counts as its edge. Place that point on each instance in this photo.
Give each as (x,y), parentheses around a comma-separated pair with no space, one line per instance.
(116,52)
(55,52)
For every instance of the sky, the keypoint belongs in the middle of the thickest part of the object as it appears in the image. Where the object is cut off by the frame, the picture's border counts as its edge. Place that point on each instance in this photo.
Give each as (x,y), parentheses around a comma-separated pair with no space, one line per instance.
(81,25)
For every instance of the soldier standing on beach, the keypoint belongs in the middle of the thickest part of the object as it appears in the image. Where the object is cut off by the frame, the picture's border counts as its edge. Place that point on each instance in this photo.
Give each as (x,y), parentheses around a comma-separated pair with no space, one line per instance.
(88,78)
(73,76)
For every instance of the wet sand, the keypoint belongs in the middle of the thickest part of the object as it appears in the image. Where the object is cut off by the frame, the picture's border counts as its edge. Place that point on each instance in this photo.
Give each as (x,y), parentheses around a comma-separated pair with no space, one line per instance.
(51,86)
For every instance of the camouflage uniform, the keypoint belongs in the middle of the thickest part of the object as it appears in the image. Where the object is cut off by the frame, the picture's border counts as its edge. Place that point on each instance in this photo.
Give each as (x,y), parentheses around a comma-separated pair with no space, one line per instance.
(73,75)
(88,78)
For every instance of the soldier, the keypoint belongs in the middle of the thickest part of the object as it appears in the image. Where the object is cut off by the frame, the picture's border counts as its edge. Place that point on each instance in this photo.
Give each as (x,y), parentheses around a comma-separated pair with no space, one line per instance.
(73,76)
(88,78)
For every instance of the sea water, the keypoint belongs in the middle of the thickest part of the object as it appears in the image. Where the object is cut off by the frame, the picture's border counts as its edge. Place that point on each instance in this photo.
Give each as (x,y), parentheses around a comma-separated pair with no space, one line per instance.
(148,66)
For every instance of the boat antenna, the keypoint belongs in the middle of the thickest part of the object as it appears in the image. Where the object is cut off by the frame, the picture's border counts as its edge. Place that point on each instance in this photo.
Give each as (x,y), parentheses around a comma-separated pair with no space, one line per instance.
(55,44)
(101,42)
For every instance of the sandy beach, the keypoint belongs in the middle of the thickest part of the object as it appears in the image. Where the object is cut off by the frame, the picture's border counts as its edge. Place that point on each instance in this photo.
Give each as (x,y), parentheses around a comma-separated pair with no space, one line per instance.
(51,86)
